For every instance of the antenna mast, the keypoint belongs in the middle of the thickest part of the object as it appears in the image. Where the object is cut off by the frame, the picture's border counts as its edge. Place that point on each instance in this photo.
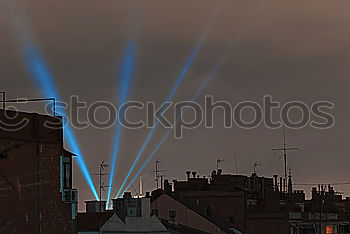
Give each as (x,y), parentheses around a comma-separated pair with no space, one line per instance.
(157,172)
(101,183)
(218,162)
(285,149)
(255,165)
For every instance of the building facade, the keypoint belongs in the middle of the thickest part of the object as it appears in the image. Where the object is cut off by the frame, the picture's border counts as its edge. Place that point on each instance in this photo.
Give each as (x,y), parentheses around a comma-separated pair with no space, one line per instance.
(36,194)
(177,211)
(260,205)
(129,215)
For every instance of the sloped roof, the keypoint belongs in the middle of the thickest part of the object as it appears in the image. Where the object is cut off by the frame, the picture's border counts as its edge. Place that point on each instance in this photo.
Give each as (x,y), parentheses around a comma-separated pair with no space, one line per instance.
(181,228)
(229,228)
(93,221)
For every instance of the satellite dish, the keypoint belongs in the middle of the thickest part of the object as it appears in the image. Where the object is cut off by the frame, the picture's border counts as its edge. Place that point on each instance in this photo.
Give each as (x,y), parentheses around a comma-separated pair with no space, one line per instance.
(213,174)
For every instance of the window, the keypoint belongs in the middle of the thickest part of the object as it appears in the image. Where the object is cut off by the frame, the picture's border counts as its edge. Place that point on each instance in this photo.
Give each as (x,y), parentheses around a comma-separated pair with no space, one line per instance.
(131,211)
(330,229)
(155,212)
(231,220)
(172,214)
(66,173)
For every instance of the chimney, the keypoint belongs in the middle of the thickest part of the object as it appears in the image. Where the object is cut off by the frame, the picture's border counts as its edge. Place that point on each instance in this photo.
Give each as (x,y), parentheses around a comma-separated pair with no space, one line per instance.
(276,182)
(188,173)
(194,174)
(132,207)
(281,185)
(167,187)
(174,186)
(314,192)
(145,207)
(290,184)
(95,206)
(127,195)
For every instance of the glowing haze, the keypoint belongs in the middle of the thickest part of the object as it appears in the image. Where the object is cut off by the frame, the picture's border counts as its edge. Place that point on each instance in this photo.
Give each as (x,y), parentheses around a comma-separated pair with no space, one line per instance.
(292,51)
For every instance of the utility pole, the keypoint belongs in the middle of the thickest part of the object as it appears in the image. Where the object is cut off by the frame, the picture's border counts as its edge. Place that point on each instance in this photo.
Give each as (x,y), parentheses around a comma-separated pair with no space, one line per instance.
(157,172)
(218,162)
(285,149)
(102,186)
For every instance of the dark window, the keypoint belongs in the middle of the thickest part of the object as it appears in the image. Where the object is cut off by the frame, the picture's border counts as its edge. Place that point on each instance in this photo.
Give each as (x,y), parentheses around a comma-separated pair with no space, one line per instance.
(172,214)
(155,212)
(67,175)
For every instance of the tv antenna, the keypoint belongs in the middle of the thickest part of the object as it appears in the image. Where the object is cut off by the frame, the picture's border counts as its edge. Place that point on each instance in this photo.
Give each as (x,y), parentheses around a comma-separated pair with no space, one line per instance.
(255,165)
(157,172)
(285,150)
(102,186)
(218,162)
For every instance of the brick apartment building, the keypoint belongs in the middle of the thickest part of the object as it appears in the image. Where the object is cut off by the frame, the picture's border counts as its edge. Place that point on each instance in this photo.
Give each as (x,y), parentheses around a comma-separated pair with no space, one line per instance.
(36,194)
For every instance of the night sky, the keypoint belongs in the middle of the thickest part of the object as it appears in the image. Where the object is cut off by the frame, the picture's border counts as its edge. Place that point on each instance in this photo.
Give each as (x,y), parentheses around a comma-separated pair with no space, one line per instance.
(291,50)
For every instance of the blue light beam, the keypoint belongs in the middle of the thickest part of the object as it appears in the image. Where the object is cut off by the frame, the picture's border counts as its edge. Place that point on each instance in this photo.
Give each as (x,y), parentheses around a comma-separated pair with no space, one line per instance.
(195,96)
(42,76)
(171,95)
(198,92)
(150,134)
(125,77)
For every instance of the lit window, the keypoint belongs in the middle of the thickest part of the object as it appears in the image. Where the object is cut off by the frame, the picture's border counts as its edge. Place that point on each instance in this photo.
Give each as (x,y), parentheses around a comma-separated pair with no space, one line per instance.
(329,229)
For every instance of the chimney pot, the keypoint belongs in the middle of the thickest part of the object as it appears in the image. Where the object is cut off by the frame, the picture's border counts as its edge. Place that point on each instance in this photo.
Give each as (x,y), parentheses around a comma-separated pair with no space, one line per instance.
(194,174)
(188,173)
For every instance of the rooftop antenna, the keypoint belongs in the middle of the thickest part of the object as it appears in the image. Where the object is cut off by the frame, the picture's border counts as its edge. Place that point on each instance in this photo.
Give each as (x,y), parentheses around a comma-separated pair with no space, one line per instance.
(218,162)
(157,172)
(285,149)
(137,194)
(255,165)
(102,186)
